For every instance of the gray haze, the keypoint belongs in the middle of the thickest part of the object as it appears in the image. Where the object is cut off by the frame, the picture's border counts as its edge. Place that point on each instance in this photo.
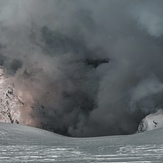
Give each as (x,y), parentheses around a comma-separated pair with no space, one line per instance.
(85,67)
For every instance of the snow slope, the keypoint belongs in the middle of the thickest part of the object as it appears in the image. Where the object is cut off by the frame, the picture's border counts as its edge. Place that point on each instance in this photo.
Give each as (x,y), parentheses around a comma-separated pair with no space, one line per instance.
(26,144)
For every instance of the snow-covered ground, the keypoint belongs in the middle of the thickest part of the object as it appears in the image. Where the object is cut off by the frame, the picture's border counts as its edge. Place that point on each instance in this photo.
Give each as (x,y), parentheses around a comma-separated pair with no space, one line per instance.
(26,144)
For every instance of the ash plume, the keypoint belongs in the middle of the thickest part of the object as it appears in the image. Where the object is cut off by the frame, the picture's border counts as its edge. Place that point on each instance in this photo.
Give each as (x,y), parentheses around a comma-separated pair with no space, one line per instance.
(84,68)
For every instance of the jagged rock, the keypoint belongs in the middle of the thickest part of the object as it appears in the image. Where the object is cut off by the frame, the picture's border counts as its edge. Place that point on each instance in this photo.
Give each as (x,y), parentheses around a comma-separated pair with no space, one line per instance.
(10,104)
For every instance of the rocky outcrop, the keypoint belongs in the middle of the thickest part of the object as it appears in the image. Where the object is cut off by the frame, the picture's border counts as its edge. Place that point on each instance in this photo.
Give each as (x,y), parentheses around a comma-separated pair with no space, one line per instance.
(10,103)
(151,122)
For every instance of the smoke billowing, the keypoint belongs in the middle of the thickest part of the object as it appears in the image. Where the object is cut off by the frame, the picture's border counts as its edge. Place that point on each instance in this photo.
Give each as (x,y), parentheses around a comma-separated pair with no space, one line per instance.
(84,68)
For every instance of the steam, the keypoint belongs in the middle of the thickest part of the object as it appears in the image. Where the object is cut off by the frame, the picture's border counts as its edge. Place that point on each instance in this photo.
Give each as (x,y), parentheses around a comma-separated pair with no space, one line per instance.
(84,68)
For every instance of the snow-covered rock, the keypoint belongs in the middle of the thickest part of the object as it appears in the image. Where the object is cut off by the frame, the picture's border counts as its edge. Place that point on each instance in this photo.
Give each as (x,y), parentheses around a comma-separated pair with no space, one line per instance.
(10,103)
(151,122)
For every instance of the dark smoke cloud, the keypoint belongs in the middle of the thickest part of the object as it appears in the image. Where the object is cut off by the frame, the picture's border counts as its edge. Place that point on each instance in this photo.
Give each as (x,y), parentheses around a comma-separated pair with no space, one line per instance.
(86,68)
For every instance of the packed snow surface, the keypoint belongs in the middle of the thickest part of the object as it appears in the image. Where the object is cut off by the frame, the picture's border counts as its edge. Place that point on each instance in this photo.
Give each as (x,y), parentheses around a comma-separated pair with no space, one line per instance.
(26,144)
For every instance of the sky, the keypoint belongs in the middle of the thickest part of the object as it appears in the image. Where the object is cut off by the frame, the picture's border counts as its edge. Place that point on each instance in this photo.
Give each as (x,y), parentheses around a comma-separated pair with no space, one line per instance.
(86,68)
